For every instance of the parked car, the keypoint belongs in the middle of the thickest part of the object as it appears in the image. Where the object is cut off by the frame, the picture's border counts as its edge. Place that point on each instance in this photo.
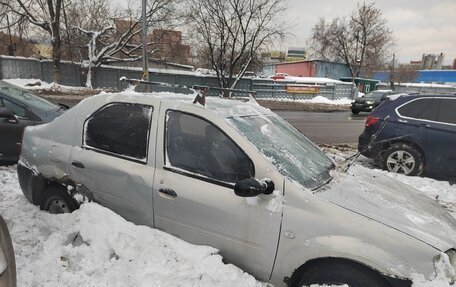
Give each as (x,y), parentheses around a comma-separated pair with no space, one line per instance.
(7,260)
(20,108)
(370,101)
(237,177)
(419,135)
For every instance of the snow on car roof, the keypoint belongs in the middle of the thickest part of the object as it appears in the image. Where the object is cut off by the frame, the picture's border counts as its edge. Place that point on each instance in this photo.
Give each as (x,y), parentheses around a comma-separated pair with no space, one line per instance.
(225,108)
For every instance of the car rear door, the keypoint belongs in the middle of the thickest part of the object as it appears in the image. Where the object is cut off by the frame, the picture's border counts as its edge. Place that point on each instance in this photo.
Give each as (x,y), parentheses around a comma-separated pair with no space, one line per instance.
(444,138)
(114,163)
(198,162)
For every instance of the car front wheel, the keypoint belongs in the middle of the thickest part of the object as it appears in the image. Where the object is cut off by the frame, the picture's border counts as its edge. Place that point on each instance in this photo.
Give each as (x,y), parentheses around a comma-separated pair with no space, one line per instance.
(355,112)
(403,158)
(338,272)
(58,200)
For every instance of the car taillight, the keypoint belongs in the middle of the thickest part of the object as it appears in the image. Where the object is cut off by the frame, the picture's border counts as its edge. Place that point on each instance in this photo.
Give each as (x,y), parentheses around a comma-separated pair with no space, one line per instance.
(370,121)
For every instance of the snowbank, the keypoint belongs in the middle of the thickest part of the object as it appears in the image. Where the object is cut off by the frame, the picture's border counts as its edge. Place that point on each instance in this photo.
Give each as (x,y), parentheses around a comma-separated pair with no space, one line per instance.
(37,84)
(93,246)
(30,84)
(315,100)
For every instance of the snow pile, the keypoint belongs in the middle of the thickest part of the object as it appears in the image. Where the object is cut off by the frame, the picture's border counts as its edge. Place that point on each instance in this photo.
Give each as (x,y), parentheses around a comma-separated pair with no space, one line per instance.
(36,84)
(93,246)
(323,100)
(314,100)
(30,84)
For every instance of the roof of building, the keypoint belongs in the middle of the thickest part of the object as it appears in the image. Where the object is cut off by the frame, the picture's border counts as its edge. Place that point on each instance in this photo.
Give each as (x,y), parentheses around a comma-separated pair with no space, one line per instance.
(309,61)
(429,76)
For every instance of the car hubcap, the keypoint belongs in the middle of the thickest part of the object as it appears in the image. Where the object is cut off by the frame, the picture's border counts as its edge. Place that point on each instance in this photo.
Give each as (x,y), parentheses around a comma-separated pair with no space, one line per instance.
(401,162)
(57,205)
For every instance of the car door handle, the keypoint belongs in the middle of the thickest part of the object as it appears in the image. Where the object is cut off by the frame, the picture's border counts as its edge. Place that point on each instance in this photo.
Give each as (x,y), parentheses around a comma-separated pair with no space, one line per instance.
(168,192)
(77,164)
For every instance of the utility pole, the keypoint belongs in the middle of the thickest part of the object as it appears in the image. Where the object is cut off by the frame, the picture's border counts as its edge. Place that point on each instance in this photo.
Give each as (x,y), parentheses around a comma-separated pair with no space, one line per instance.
(392,72)
(144,44)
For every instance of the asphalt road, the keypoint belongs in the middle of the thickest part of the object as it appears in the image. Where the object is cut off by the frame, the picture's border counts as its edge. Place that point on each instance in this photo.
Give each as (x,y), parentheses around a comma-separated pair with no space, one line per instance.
(320,127)
(335,127)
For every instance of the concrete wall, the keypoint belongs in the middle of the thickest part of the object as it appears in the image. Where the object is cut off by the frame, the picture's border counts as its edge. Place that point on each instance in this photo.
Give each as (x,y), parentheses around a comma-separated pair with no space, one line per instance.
(331,70)
(321,69)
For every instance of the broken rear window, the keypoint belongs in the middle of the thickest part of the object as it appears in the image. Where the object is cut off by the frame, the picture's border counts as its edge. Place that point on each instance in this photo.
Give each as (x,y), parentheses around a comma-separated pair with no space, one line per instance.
(120,129)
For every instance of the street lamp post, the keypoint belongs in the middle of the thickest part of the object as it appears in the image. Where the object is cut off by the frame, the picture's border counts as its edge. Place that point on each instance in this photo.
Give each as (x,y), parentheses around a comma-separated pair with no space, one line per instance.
(145,75)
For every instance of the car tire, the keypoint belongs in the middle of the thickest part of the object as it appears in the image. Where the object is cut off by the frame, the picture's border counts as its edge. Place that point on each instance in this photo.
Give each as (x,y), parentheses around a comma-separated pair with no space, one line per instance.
(56,199)
(339,272)
(355,112)
(403,158)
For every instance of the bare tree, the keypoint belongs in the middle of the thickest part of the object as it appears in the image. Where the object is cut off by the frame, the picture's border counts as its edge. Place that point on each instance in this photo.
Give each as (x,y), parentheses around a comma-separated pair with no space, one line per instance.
(362,41)
(114,36)
(405,74)
(16,40)
(230,32)
(47,16)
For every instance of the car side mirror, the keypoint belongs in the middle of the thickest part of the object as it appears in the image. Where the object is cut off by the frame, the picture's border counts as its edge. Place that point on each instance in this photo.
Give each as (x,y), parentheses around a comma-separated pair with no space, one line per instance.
(63,106)
(251,187)
(8,114)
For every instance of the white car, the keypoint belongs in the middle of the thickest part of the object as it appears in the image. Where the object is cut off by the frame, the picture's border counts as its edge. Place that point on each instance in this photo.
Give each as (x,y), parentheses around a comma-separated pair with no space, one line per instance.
(237,177)
(7,260)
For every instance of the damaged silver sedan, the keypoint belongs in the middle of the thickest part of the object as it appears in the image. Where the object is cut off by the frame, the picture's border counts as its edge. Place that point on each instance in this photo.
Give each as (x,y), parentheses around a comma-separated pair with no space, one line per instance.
(237,177)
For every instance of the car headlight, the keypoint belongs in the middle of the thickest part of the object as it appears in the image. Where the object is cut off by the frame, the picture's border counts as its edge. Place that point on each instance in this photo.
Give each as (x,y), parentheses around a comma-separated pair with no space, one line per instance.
(445,264)
(370,102)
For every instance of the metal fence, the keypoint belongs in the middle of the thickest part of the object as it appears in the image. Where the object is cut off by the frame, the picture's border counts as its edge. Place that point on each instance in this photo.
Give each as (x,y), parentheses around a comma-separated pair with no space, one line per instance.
(425,90)
(422,90)
(270,89)
(108,77)
(27,68)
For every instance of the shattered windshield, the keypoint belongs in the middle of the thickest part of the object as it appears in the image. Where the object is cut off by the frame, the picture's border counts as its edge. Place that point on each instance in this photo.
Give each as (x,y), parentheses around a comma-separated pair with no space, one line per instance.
(290,151)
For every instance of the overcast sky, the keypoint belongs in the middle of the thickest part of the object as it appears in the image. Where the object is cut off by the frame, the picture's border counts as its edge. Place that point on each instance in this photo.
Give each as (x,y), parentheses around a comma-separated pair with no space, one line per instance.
(419,26)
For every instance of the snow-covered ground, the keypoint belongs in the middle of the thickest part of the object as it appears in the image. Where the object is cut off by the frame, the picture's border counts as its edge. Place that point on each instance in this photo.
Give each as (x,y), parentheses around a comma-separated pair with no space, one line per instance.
(95,247)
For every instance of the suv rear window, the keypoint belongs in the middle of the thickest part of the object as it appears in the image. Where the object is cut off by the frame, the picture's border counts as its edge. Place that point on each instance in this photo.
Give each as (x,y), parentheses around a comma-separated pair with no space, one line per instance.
(415,108)
(447,111)
(120,129)
(432,109)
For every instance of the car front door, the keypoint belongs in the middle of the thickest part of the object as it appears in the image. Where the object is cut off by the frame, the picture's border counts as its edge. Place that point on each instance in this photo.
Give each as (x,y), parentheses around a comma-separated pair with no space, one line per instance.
(198,163)
(114,161)
(11,129)
(445,134)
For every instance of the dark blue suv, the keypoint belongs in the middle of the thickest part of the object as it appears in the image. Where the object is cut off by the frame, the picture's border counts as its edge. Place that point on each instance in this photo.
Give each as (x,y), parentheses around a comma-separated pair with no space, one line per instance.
(410,134)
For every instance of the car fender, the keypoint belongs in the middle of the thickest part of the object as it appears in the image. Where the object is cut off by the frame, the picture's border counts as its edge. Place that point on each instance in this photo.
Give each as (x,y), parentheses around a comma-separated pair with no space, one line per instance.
(314,228)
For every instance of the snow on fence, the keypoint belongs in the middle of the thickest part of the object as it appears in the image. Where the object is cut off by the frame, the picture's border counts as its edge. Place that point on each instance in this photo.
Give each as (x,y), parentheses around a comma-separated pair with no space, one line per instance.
(30,68)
